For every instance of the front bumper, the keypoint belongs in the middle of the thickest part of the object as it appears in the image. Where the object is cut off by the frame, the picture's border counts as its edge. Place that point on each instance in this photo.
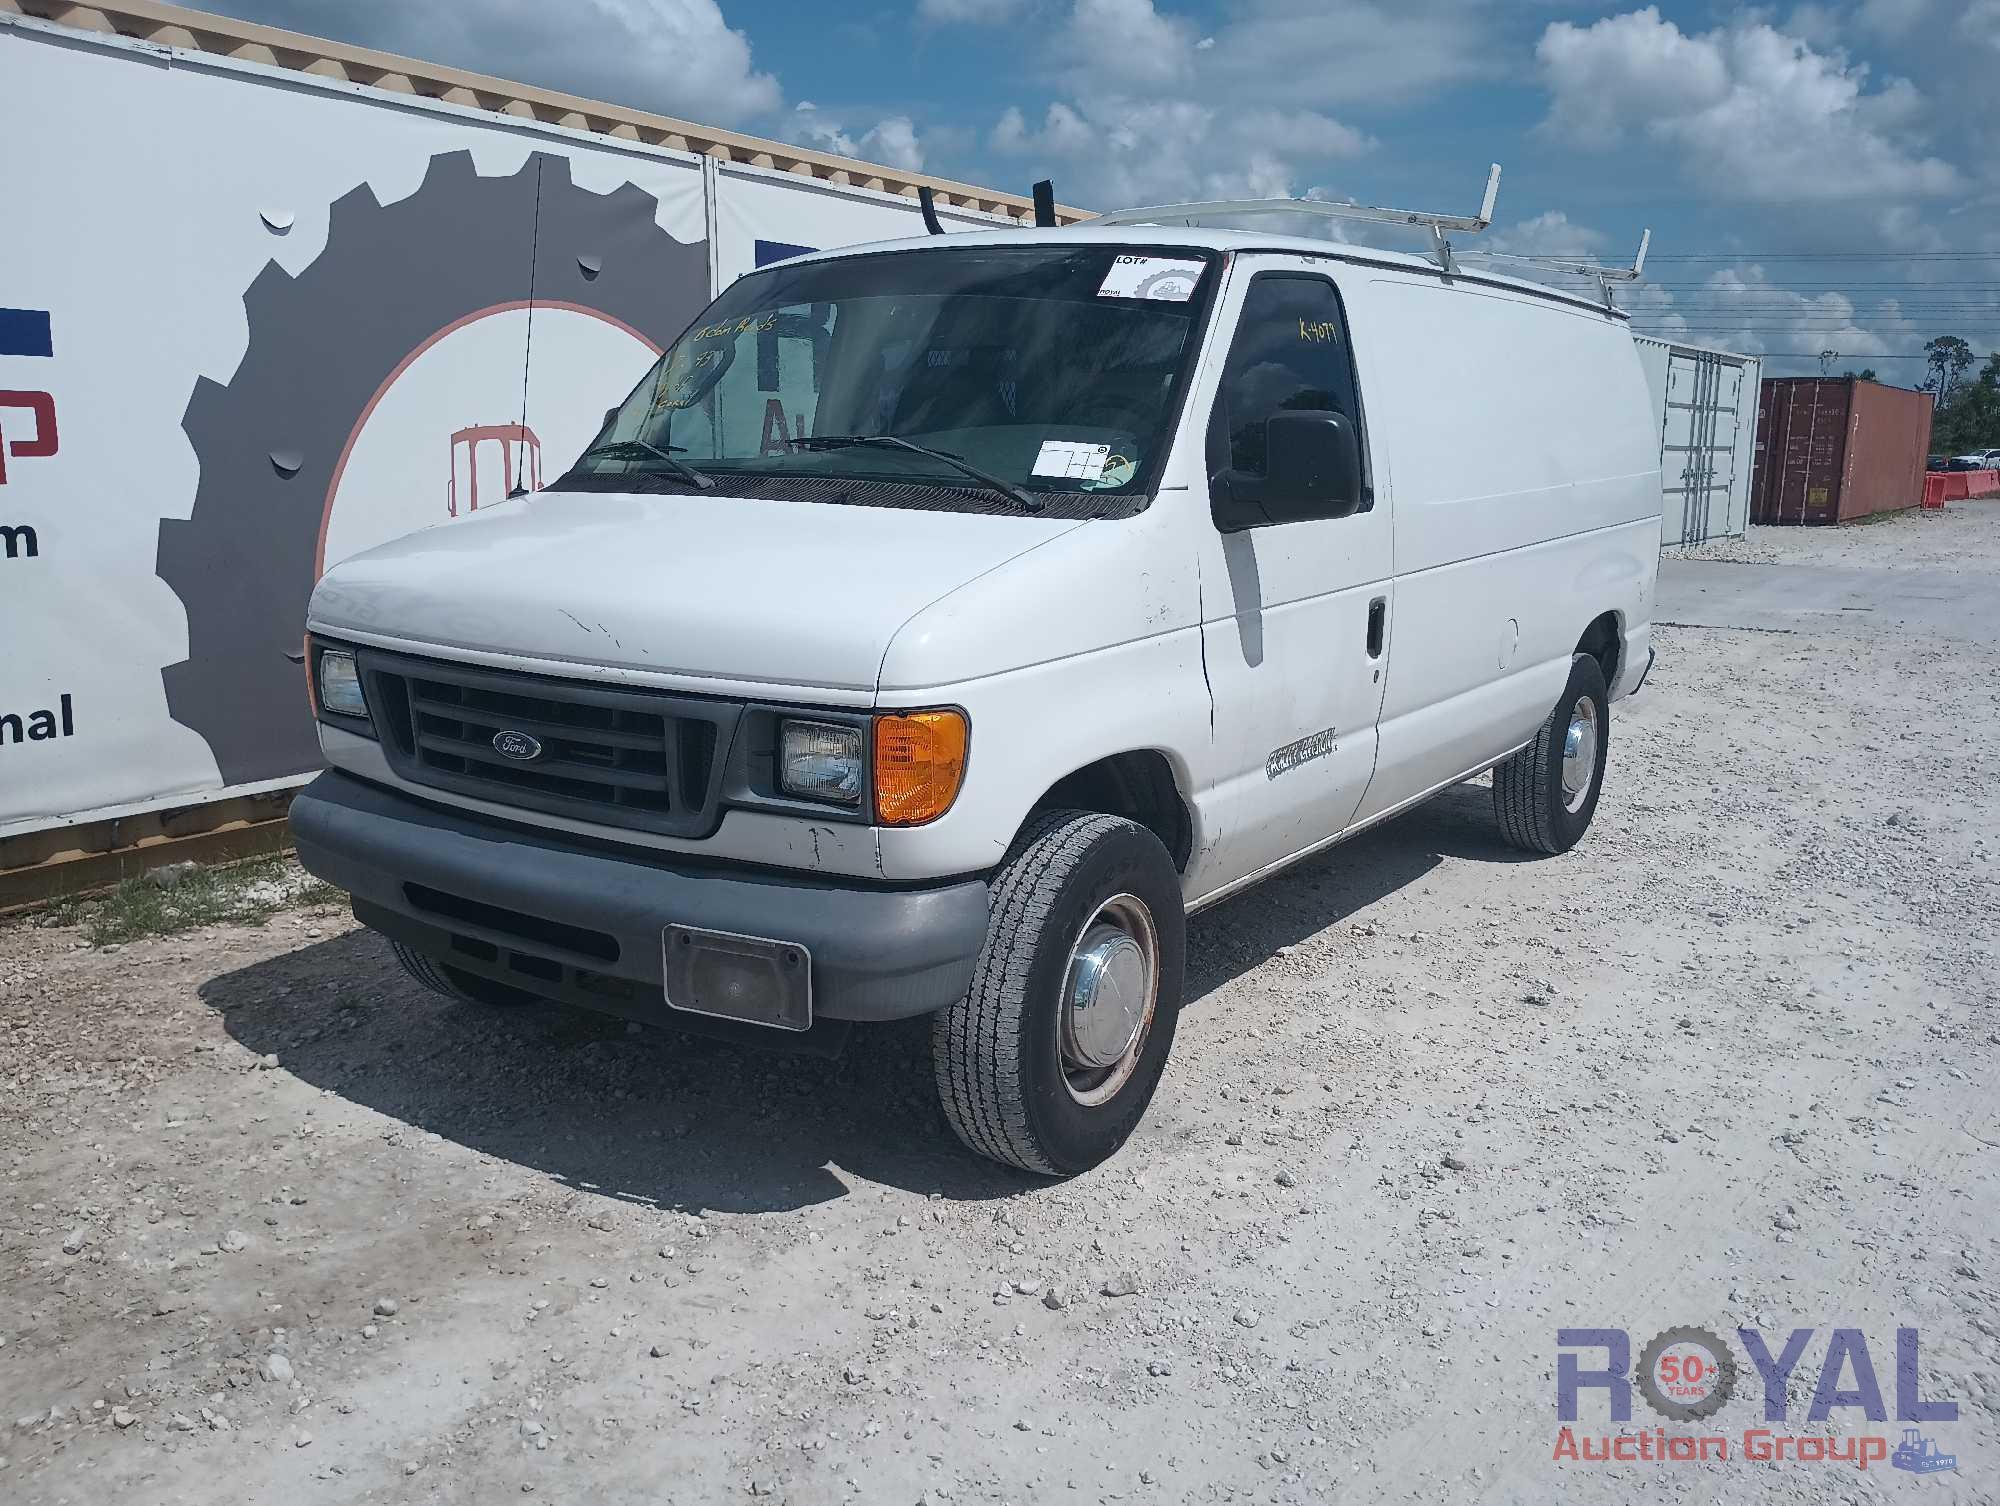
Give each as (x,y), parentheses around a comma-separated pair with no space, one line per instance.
(574,921)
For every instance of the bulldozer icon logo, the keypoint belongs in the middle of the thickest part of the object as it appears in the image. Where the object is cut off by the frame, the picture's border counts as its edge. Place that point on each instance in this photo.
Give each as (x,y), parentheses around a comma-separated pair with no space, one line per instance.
(321,442)
(1920,1456)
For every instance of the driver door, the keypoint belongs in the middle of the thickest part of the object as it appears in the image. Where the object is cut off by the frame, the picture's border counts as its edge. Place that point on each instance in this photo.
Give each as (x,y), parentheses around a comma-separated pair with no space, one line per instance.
(1296,628)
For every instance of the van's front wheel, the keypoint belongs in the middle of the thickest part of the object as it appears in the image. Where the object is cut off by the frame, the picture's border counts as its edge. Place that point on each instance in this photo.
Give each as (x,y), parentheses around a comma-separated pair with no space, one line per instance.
(1545,795)
(467,988)
(1055,1050)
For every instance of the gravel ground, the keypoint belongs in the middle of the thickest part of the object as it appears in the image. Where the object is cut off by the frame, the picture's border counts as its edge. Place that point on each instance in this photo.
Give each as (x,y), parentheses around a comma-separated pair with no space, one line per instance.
(275,1225)
(1961,538)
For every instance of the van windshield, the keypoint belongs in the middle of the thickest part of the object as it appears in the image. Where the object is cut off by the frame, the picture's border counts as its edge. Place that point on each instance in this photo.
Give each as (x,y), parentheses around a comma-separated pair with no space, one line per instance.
(1054,371)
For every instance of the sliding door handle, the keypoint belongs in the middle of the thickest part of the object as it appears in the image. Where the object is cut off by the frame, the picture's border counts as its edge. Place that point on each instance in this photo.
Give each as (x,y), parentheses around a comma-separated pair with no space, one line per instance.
(1378,619)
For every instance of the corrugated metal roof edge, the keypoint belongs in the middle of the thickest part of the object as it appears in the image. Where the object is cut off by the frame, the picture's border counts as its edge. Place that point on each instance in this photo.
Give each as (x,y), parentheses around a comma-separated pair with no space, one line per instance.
(1706,350)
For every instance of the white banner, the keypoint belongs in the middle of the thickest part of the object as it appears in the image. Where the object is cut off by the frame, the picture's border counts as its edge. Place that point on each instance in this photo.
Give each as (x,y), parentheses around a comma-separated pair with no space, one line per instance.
(261,321)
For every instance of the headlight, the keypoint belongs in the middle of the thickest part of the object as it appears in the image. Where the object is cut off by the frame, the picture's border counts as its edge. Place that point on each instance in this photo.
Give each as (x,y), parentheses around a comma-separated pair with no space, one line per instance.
(340,684)
(820,761)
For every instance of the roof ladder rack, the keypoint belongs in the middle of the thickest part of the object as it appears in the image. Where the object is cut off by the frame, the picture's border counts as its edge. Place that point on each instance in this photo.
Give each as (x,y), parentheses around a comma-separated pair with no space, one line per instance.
(1605,275)
(1437,224)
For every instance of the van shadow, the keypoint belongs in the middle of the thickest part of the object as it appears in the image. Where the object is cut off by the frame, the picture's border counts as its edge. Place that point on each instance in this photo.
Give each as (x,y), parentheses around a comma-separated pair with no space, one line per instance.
(1240,933)
(667,1120)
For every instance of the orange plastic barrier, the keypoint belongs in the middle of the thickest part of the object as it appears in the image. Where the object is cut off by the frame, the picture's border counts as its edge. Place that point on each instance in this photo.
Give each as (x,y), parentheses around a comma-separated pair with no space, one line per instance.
(1941,487)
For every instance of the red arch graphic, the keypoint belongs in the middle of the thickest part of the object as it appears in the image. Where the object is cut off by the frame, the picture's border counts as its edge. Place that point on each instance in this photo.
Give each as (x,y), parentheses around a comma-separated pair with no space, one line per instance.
(360,423)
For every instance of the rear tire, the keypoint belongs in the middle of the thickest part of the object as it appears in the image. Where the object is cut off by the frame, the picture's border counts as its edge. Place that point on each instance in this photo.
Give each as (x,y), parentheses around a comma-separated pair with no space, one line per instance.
(1545,795)
(467,988)
(1087,908)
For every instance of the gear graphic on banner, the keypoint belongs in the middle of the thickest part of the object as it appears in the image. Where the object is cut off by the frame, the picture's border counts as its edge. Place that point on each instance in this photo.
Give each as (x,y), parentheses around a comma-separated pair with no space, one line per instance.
(326,346)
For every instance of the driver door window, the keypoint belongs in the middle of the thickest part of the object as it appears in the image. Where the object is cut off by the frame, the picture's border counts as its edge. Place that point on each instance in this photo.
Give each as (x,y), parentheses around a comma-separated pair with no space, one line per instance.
(1290,354)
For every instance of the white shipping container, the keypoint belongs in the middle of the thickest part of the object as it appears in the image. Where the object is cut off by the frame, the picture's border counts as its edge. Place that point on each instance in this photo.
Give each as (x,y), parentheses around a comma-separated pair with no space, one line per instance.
(1705,402)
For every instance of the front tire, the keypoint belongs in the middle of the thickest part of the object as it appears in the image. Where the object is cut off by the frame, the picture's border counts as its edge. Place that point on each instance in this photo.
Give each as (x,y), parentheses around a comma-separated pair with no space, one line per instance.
(467,988)
(1545,795)
(1051,1057)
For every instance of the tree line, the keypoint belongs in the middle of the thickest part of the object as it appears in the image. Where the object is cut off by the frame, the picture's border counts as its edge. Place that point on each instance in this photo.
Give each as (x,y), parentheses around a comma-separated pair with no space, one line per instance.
(1968,407)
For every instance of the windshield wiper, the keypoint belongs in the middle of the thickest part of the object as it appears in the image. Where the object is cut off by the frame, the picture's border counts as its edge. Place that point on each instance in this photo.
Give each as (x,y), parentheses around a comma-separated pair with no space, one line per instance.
(613,448)
(1027,500)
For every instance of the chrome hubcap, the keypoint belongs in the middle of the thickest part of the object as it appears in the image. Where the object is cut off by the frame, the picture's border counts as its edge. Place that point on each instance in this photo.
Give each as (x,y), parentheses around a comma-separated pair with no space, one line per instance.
(1579,753)
(1109,993)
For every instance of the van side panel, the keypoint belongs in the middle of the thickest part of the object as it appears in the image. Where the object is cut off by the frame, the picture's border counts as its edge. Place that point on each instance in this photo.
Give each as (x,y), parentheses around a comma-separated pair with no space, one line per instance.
(1526,500)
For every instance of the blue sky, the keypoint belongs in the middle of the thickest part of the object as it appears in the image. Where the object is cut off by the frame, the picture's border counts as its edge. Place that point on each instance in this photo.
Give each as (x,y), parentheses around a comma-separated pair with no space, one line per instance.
(1763,140)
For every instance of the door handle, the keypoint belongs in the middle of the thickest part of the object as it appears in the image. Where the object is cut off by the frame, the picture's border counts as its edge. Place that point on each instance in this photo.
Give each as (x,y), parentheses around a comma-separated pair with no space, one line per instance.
(1378,618)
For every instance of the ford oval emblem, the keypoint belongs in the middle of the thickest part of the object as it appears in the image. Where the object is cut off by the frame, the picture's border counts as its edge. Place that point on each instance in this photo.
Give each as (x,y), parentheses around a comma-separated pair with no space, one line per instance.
(516,745)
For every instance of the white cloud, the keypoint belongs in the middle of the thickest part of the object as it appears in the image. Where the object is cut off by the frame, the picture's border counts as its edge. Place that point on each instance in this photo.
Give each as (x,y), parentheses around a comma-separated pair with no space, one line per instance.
(1818,24)
(1114,43)
(1741,308)
(695,58)
(1305,132)
(1120,152)
(1634,67)
(891,142)
(673,57)
(1379,52)
(1153,109)
(1893,18)
(969,12)
(1980,23)
(1551,233)
(1748,112)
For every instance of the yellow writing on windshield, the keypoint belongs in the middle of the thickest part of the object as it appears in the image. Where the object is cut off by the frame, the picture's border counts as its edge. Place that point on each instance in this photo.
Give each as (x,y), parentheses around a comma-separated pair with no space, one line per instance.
(748,324)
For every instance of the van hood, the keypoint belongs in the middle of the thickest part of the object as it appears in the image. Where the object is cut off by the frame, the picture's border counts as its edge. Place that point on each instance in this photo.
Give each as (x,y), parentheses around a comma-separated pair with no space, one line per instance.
(754,590)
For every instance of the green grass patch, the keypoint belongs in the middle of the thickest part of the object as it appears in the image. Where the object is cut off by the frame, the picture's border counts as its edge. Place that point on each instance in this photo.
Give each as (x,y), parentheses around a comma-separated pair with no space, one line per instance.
(182,898)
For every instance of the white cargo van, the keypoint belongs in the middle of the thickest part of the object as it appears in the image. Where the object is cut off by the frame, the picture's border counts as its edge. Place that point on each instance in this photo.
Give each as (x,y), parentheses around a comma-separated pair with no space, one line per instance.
(939,624)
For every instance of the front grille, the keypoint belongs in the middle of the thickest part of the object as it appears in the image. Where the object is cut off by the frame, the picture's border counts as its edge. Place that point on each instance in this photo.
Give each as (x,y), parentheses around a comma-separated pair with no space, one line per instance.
(624,758)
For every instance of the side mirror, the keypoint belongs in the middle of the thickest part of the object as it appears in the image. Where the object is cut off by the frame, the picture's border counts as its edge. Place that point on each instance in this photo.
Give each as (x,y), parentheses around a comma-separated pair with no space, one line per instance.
(1312,469)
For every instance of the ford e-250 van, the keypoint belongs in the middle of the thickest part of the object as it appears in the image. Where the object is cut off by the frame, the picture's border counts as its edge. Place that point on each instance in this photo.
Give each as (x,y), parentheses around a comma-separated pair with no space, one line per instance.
(939,624)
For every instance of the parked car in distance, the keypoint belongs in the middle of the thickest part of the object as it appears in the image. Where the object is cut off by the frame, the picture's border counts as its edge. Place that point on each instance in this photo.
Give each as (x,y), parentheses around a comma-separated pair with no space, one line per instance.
(1993,459)
(1977,462)
(938,625)
(1937,463)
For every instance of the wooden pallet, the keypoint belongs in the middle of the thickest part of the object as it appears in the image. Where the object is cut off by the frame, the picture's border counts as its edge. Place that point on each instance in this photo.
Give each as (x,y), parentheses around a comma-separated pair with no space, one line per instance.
(47,865)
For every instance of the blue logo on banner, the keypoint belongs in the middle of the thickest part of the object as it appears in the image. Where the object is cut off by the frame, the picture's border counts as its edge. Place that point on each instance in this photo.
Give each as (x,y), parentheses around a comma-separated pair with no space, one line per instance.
(25,332)
(1920,1456)
(770,251)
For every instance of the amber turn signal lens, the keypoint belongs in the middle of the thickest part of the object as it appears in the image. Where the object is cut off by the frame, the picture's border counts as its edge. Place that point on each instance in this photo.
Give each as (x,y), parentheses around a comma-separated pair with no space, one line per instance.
(919,765)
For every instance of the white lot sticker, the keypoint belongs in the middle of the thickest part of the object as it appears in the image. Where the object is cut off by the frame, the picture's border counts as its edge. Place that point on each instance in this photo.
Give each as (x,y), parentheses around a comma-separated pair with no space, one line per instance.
(1071,459)
(1157,277)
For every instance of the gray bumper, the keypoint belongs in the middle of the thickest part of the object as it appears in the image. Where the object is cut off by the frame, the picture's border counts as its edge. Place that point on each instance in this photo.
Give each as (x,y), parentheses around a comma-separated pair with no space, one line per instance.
(573,921)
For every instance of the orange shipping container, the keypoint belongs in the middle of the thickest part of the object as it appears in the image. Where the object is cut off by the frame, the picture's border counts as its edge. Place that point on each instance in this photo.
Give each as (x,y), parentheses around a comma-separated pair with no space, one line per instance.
(1833,449)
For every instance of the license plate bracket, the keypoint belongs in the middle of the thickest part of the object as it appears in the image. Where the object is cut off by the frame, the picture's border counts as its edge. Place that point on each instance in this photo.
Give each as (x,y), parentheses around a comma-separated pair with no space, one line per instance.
(723,975)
